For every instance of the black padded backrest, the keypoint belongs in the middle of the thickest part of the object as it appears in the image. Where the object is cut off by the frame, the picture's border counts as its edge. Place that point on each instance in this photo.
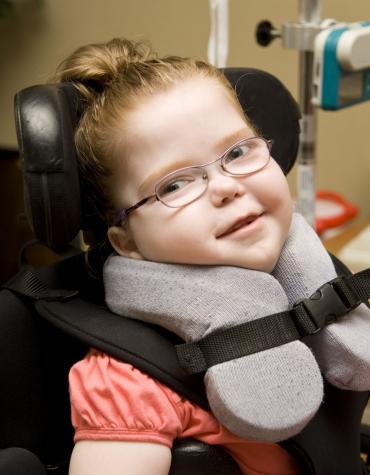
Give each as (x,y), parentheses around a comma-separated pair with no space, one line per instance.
(46,117)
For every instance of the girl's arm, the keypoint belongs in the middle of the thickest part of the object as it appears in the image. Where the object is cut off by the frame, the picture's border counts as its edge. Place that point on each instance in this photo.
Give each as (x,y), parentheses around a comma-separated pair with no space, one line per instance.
(90,457)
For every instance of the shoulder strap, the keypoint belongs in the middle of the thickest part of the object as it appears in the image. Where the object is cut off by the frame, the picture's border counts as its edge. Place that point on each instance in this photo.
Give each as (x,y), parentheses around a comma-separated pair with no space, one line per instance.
(149,348)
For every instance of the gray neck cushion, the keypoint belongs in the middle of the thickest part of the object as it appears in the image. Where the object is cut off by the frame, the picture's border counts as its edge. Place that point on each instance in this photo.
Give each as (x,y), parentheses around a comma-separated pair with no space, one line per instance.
(270,395)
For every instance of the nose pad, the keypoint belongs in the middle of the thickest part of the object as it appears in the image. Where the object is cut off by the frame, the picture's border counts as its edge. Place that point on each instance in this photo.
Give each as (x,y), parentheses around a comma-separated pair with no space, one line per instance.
(224,188)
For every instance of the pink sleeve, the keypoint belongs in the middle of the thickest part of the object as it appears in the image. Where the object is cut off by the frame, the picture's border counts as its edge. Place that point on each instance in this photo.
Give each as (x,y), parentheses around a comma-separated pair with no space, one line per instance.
(111,400)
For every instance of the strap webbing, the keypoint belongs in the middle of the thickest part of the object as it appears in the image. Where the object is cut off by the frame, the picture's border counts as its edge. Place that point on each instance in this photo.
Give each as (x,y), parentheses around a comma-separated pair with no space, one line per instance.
(308,316)
(235,342)
(359,284)
(27,283)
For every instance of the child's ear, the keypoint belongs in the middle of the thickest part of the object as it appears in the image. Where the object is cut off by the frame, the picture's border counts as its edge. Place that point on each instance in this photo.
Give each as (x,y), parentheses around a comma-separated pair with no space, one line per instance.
(123,243)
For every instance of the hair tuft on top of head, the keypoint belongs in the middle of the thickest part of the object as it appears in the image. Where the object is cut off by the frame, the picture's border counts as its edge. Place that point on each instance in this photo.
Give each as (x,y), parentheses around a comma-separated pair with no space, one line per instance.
(93,67)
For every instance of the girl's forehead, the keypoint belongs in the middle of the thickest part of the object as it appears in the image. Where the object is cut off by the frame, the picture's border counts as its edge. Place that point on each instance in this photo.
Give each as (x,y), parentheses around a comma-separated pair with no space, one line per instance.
(184,123)
(192,105)
(181,96)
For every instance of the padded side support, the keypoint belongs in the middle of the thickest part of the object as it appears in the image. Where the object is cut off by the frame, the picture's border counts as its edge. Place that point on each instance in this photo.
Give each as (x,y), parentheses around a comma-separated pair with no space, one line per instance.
(331,443)
(34,400)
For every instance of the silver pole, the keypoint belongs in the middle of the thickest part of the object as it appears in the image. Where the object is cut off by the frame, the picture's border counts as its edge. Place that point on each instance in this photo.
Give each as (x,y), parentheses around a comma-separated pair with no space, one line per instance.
(309,13)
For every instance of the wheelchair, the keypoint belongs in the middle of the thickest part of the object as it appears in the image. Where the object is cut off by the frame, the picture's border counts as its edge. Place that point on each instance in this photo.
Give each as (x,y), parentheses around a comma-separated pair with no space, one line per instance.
(51,316)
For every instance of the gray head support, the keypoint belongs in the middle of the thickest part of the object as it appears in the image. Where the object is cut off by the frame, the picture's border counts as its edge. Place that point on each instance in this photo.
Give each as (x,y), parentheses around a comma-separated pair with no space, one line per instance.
(267,396)
(342,349)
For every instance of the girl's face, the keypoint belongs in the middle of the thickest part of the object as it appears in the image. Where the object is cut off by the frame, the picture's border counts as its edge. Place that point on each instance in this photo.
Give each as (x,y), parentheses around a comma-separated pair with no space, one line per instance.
(192,124)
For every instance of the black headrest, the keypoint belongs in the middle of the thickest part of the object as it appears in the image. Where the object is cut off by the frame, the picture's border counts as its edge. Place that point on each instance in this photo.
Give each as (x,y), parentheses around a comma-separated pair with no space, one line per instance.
(47,115)
(271,108)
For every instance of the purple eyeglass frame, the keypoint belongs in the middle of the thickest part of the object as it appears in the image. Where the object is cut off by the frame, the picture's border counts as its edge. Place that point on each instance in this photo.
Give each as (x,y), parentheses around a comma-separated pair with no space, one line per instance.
(125,212)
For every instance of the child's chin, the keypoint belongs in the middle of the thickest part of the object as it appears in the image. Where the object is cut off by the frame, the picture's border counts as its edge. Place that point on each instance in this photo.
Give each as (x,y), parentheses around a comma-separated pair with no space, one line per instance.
(262,260)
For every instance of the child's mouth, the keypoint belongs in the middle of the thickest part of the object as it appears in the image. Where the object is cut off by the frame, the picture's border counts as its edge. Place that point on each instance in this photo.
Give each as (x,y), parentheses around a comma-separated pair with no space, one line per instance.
(240,223)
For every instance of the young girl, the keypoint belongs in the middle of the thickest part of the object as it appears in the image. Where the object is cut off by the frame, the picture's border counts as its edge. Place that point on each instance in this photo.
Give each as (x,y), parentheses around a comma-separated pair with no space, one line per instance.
(183,178)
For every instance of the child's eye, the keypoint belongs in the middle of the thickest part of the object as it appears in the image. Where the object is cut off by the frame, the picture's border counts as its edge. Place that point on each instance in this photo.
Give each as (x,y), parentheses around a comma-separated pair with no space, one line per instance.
(240,151)
(175,184)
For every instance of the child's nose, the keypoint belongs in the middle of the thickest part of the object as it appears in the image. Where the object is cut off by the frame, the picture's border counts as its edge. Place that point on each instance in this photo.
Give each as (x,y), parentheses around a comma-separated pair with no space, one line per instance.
(224,188)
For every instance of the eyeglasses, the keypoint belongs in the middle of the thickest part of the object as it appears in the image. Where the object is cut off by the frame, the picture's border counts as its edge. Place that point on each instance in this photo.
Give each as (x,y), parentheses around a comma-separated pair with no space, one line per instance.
(186,185)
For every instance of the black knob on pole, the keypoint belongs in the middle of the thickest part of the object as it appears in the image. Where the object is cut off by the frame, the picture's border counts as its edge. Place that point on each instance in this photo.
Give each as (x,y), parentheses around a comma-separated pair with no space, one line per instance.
(265,33)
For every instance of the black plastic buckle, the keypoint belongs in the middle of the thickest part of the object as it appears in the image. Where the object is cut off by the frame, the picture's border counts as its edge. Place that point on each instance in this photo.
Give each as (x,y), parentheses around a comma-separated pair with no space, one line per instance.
(324,306)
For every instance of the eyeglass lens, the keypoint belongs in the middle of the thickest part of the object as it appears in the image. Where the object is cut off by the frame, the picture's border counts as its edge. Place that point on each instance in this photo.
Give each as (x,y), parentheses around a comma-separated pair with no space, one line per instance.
(186,185)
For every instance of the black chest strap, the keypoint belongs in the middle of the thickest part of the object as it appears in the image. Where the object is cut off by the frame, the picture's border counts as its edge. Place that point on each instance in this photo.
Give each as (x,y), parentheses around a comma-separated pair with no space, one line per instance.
(308,316)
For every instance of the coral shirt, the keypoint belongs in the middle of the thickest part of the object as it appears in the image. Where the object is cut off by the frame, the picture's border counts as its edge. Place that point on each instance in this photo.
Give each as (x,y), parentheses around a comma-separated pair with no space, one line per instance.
(112,400)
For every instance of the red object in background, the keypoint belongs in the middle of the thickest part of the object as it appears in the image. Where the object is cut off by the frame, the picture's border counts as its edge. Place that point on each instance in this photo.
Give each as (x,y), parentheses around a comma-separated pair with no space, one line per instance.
(332,210)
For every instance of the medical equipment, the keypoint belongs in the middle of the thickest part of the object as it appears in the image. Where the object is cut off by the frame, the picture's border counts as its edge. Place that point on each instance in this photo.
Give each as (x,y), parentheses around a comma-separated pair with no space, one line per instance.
(301,36)
(334,72)
(341,71)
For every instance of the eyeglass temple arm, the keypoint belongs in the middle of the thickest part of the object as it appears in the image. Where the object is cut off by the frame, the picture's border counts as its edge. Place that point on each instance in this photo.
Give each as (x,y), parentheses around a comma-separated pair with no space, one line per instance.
(123,214)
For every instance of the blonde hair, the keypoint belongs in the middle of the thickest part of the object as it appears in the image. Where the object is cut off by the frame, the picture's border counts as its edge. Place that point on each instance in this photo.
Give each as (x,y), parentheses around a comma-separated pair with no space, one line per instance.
(112,78)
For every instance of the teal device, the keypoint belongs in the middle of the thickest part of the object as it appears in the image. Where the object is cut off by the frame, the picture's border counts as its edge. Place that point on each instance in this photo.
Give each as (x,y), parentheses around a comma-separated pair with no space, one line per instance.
(341,67)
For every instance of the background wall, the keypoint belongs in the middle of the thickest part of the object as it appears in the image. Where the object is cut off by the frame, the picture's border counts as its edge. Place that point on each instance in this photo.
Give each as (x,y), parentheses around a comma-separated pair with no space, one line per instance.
(39,34)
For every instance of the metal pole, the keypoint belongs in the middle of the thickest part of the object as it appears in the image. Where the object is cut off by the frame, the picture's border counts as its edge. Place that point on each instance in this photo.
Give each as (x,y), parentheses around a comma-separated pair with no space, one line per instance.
(309,13)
